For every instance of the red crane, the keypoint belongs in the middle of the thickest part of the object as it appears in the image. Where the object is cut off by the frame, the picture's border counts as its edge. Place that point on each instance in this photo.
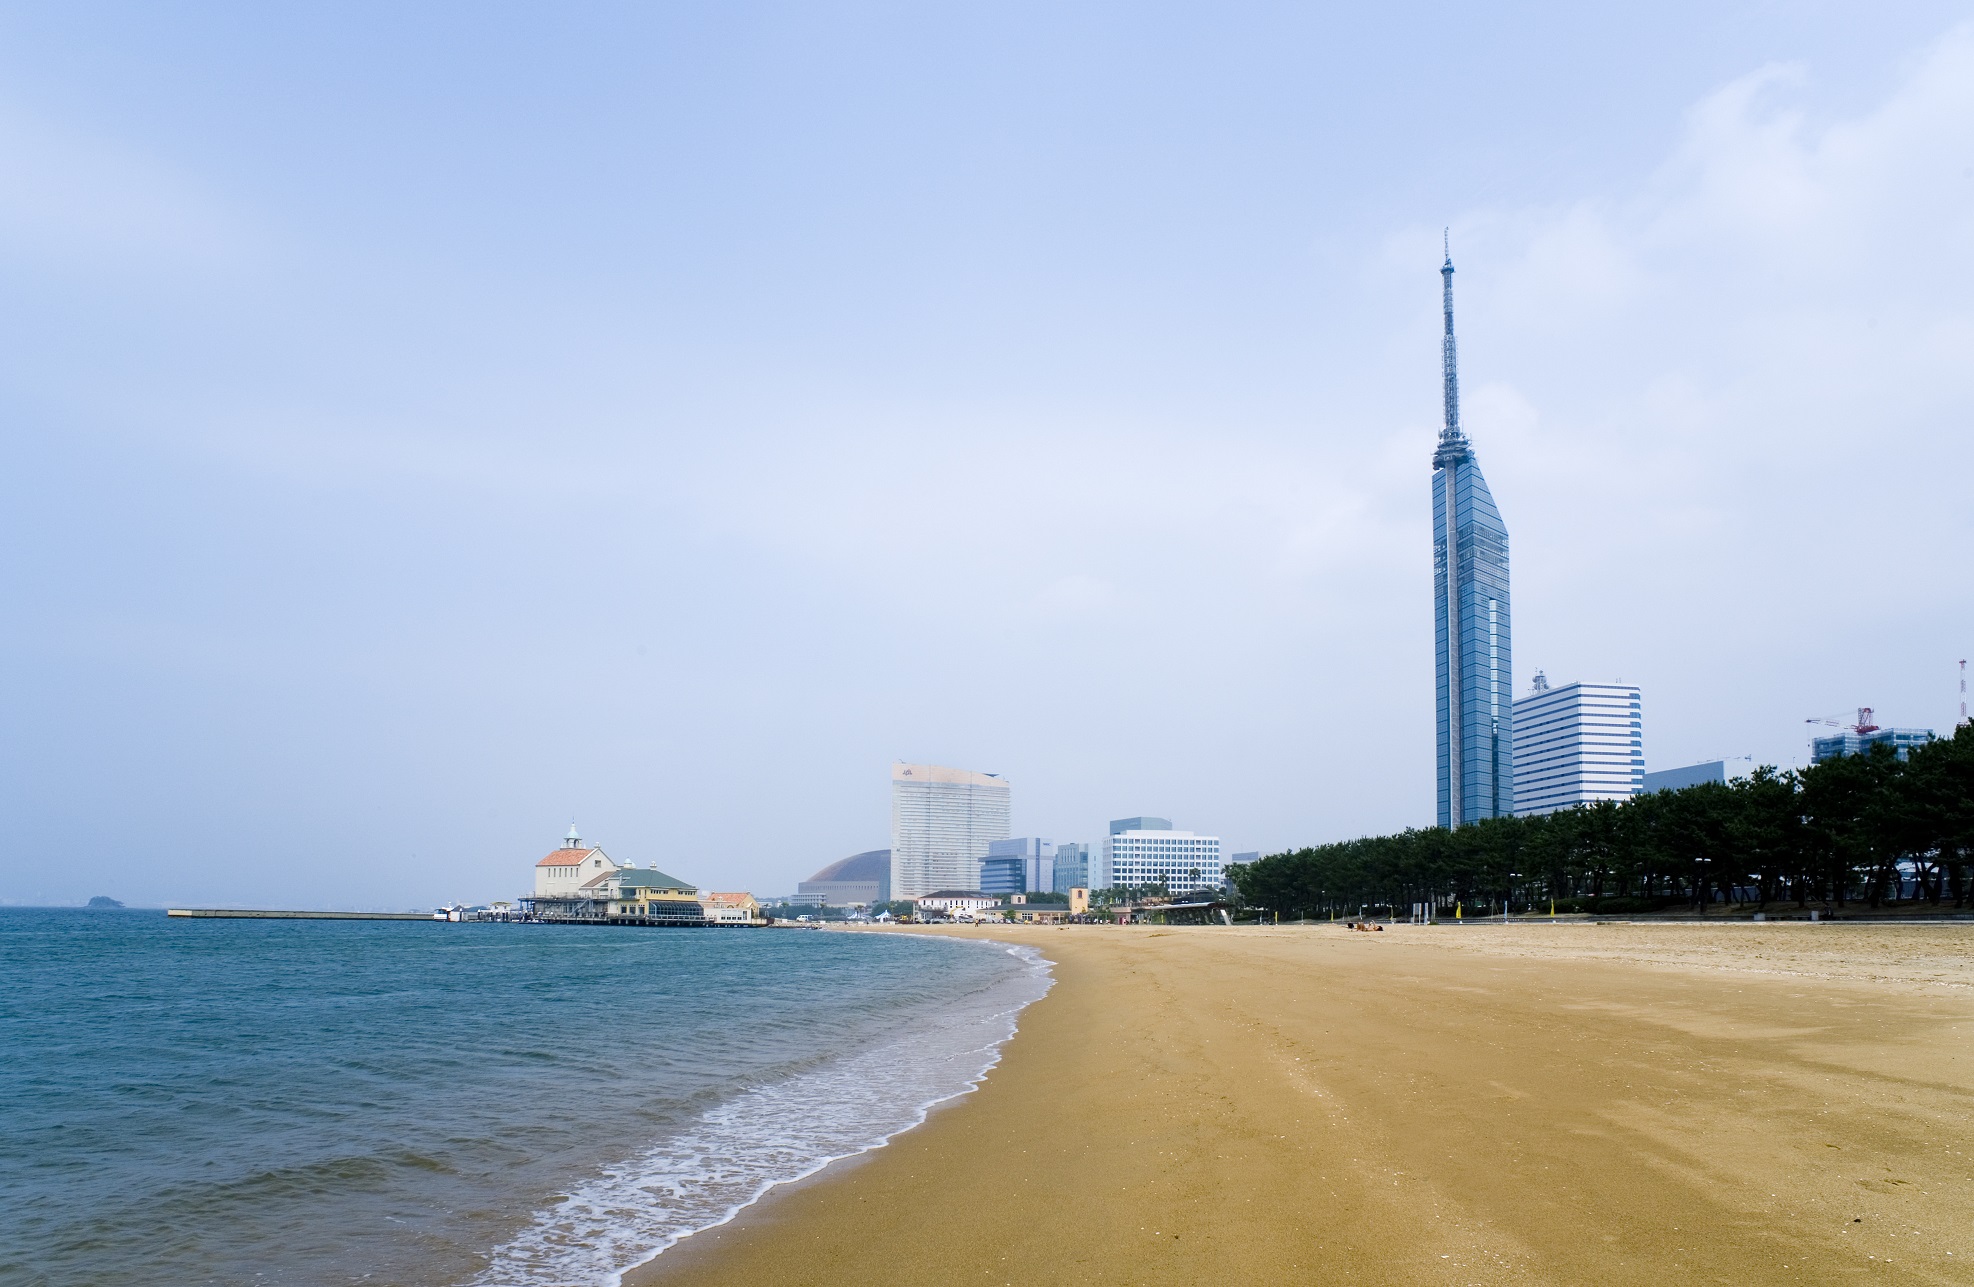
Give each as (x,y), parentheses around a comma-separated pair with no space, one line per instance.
(1863,724)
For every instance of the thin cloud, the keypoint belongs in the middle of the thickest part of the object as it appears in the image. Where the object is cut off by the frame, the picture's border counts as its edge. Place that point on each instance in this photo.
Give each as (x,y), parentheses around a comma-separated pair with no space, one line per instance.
(87,204)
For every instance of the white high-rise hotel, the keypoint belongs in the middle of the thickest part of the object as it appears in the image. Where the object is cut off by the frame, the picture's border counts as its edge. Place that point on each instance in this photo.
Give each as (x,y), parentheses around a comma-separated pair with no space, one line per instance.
(1577,744)
(942,821)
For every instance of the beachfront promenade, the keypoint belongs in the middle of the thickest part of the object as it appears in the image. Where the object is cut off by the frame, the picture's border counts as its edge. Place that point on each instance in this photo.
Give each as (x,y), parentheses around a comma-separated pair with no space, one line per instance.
(1524,1104)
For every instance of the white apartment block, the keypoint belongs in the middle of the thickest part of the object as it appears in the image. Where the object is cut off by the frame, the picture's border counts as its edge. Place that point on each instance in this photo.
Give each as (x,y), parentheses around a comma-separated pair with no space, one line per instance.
(942,821)
(1577,744)
(1178,860)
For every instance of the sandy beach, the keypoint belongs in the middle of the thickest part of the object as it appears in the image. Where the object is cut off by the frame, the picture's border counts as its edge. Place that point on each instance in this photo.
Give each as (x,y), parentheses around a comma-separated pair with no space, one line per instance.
(1774,1103)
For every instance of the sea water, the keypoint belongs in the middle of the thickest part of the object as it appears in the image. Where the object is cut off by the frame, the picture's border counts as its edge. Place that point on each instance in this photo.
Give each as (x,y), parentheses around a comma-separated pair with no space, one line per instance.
(314,1102)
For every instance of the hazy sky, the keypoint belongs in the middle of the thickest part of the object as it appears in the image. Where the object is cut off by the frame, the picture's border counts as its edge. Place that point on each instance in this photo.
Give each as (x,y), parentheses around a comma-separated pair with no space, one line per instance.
(425,424)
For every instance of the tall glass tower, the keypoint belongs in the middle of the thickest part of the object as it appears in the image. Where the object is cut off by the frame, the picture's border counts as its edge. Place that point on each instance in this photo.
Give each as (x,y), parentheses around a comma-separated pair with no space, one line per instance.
(1470,597)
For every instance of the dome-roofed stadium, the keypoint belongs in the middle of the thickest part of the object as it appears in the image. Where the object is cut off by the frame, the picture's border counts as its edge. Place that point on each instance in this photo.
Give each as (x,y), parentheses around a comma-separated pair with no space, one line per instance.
(861,878)
(872,864)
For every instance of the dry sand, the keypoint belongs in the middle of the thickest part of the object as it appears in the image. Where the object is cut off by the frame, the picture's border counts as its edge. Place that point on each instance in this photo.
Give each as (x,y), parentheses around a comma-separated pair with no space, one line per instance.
(1454,1104)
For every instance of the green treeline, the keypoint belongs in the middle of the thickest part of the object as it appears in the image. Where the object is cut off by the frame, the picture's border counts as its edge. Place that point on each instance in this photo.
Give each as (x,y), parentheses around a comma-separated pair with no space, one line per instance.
(1865,828)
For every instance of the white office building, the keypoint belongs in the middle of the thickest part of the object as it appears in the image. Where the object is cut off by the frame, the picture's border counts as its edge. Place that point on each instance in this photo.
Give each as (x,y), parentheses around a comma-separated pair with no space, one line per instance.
(1577,744)
(1147,851)
(942,822)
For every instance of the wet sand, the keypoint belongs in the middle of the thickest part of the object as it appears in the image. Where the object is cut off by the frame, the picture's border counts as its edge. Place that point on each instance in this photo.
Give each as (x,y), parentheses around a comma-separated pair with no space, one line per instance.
(1455,1104)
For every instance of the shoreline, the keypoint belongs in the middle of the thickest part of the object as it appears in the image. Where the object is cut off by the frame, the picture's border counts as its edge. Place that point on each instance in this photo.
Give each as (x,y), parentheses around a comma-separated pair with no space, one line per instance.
(832,1166)
(829,1112)
(1200,1104)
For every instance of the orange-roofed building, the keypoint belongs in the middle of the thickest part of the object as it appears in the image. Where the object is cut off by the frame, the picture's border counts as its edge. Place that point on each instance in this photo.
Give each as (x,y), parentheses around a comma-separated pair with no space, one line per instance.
(731,909)
(569,868)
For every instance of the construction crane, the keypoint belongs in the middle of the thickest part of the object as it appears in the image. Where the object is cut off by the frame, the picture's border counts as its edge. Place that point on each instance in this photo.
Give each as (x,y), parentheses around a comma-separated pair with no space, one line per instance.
(1863,724)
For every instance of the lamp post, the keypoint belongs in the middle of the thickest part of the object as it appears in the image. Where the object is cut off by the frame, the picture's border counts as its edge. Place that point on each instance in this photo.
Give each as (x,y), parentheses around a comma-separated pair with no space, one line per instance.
(1510,896)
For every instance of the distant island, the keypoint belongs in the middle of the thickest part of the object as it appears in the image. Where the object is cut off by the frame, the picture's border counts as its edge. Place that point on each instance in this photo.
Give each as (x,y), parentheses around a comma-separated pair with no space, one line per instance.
(104,900)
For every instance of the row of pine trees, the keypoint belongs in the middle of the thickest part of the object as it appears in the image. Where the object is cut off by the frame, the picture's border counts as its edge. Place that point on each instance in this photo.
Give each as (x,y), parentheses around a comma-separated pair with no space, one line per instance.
(1871,829)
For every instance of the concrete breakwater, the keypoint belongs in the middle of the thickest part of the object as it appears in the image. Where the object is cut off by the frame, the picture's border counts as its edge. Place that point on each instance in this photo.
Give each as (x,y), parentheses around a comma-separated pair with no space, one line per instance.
(268,914)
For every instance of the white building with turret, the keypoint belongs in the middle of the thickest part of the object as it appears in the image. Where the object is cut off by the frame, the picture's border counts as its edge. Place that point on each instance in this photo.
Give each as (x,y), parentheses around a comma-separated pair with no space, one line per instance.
(568,869)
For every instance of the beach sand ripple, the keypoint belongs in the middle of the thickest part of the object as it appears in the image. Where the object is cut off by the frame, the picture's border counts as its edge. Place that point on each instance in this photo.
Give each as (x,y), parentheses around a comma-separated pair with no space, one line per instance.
(1646,1104)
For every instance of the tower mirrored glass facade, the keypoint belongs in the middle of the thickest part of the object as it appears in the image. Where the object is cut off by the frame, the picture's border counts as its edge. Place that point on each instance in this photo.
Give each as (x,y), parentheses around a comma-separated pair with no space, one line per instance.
(1472,619)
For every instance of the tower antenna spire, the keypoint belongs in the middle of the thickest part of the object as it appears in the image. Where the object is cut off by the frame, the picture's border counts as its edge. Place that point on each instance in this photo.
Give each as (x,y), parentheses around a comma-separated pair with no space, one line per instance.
(1451,441)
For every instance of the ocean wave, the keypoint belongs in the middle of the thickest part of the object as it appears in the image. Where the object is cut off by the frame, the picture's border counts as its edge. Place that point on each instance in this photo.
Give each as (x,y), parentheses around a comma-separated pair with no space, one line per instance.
(732,1154)
(353,1173)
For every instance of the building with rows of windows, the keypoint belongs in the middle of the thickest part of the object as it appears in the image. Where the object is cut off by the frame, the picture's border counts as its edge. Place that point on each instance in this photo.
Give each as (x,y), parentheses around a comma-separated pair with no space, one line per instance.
(1860,740)
(1576,744)
(1072,866)
(1023,866)
(1147,851)
(942,821)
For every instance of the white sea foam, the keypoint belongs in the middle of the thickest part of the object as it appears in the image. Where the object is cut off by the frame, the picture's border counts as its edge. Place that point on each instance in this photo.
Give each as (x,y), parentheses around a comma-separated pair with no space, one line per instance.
(731,1155)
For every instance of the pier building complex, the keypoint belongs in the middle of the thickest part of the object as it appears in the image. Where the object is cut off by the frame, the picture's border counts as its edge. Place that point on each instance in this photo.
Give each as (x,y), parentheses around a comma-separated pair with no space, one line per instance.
(580,884)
